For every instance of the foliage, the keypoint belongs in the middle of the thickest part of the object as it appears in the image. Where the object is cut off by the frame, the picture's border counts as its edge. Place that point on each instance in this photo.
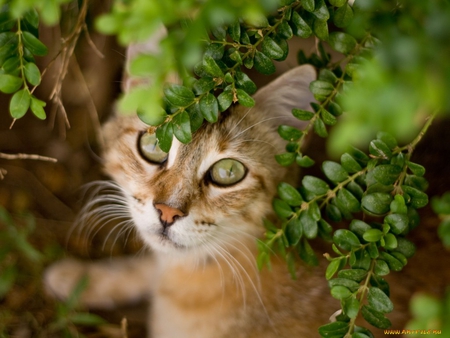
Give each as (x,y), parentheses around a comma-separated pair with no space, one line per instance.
(392,76)
(22,264)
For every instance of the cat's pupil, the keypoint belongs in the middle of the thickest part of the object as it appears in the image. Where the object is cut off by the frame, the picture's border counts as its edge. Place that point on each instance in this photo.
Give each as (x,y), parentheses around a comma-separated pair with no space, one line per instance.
(227,172)
(150,150)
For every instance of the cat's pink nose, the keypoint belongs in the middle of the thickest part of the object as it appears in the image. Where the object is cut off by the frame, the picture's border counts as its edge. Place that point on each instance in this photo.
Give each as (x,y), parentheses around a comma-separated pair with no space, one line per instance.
(168,214)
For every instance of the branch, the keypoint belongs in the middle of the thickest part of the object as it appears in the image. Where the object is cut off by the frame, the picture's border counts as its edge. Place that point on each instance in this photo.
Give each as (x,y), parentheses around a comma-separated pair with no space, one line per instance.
(22,156)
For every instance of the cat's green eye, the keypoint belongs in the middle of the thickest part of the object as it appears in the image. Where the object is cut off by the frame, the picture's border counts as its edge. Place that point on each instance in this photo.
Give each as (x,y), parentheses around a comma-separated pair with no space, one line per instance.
(150,150)
(227,172)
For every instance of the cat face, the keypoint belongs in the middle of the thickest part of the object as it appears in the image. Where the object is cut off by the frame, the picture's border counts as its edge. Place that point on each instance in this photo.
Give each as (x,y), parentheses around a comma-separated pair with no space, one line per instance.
(211,195)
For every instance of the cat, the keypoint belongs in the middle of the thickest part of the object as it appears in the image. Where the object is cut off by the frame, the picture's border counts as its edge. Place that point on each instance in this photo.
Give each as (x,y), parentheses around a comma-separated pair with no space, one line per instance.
(200,209)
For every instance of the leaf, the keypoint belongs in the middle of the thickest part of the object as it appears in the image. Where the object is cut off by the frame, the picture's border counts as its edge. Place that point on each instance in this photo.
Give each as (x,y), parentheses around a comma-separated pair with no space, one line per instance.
(418,198)
(294,231)
(244,82)
(32,74)
(32,17)
(179,96)
(343,16)
(359,227)
(299,26)
(379,149)
(334,171)
(309,5)
(204,85)
(351,306)
(327,117)
(263,63)
(225,99)
(285,159)
(235,31)
(10,84)
(289,133)
(306,253)
(182,127)
(376,203)
(397,222)
(164,134)
(304,161)
(386,173)
(321,89)
(86,319)
(211,67)
(282,209)
(11,66)
(310,226)
(321,10)
(342,42)
(34,45)
(416,169)
(390,242)
(394,263)
(271,48)
(19,104)
(334,329)
(373,235)
(388,139)
(346,239)
(302,115)
(405,247)
(335,109)
(320,28)
(340,292)
(7,279)
(381,268)
(350,164)
(289,194)
(37,107)
(319,128)
(333,212)
(356,275)
(346,200)
(284,30)
(315,185)
(332,268)
(379,301)
(350,284)
(375,318)
(244,99)
(209,107)
(338,3)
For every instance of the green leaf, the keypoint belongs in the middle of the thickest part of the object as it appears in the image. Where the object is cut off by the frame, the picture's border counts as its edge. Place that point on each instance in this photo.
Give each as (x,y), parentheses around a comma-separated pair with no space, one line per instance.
(33,44)
(342,42)
(332,268)
(306,253)
(10,84)
(321,89)
(387,138)
(294,231)
(225,99)
(302,115)
(338,3)
(343,16)
(271,48)
(321,10)
(299,26)
(182,127)
(346,200)
(310,226)
(86,319)
(164,134)
(351,306)
(304,161)
(381,268)
(350,284)
(285,159)
(319,128)
(309,5)
(37,107)
(289,133)
(334,329)
(397,222)
(11,66)
(334,171)
(209,107)
(327,117)
(356,275)
(375,318)
(284,30)
(245,99)
(19,104)
(32,74)
(178,95)
(289,194)
(394,263)
(7,279)
(398,205)
(204,85)
(390,242)
(405,247)
(386,173)
(359,227)
(346,239)
(235,31)
(360,260)
(379,149)
(263,63)
(373,235)
(32,17)
(340,292)
(333,212)
(418,198)
(417,169)
(282,209)
(377,203)
(320,28)
(335,109)
(315,185)
(379,301)
(350,164)
(211,67)
(244,82)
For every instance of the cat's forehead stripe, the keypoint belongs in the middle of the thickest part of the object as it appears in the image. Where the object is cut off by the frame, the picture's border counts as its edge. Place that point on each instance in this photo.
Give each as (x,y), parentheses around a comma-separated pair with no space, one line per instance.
(173,153)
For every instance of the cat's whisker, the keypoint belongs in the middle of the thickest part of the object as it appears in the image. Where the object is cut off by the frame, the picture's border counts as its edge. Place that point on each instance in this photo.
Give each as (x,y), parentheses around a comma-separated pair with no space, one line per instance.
(239,122)
(255,124)
(118,225)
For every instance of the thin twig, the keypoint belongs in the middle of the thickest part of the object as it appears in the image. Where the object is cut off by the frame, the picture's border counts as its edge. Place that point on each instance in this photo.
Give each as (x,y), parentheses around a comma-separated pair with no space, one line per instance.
(22,156)
(3,172)
(123,327)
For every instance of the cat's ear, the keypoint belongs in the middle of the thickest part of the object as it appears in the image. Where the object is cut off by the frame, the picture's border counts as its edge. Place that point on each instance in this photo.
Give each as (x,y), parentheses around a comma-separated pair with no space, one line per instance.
(289,91)
(150,46)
